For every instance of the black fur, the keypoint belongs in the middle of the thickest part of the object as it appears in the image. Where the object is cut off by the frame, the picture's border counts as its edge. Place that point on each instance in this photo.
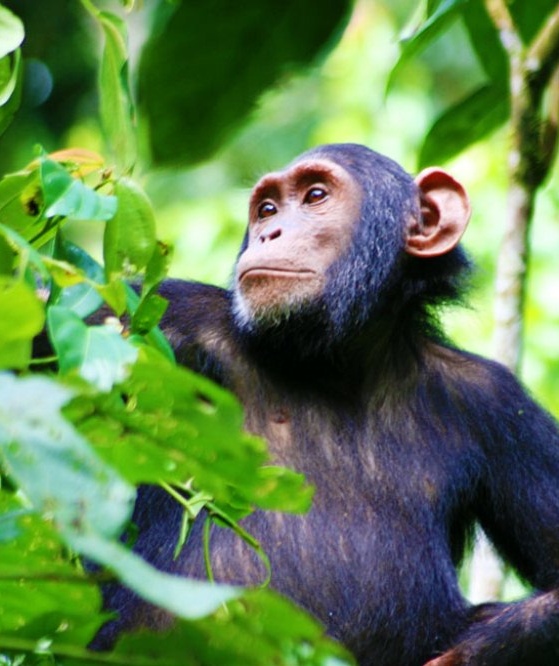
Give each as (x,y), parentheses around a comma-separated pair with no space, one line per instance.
(408,440)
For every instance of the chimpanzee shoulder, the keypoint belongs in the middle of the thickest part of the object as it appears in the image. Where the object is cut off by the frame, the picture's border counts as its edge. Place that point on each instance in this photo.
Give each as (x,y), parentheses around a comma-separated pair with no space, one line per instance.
(198,325)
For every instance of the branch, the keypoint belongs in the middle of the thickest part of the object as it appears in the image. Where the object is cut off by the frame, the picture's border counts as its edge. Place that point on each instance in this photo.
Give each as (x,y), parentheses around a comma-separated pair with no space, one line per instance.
(543,53)
(502,19)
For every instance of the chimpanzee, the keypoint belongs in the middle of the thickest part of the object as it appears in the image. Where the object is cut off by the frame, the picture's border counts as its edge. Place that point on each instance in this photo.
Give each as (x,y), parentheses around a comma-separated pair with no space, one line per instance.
(329,337)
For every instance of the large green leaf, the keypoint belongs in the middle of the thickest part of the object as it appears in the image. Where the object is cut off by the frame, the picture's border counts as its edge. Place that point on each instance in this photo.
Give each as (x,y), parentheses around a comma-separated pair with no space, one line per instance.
(53,464)
(206,65)
(464,124)
(98,353)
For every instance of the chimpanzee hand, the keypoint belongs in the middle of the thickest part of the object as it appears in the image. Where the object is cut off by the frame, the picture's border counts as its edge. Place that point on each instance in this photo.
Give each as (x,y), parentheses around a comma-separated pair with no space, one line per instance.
(449,658)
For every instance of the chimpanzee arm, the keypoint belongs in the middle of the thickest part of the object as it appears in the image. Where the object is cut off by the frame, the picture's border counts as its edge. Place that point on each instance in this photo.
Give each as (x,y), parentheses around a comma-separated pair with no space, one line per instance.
(198,325)
(519,510)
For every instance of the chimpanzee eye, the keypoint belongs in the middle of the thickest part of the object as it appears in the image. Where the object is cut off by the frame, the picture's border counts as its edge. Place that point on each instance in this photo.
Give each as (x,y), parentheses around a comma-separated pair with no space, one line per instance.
(267,209)
(315,195)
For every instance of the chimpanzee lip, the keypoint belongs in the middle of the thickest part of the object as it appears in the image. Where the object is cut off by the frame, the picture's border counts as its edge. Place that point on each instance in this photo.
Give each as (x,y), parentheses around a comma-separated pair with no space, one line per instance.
(269,271)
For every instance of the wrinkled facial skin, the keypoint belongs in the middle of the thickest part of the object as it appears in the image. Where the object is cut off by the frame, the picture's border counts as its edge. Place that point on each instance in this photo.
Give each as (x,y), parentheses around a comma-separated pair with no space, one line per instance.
(301,221)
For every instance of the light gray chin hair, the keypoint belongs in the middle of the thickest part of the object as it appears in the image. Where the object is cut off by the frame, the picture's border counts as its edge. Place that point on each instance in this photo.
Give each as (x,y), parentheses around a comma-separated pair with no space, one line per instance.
(268,317)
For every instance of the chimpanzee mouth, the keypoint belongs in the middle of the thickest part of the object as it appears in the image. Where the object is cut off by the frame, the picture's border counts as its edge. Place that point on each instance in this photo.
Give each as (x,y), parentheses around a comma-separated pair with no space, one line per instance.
(265,271)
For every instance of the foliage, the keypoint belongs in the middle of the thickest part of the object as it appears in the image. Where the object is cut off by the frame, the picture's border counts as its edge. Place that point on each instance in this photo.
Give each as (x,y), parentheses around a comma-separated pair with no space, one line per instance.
(179,77)
(486,107)
(110,409)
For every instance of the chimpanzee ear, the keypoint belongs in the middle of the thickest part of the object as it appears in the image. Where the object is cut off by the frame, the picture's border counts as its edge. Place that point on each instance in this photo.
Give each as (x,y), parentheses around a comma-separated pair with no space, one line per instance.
(445,212)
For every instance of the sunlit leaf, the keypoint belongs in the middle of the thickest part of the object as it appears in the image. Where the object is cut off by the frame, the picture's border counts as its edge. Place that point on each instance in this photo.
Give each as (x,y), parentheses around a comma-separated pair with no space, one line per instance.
(9,68)
(129,241)
(98,353)
(64,273)
(114,293)
(20,203)
(81,158)
(11,31)
(116,104)
(69,197)
(10,88)
(465,123)
(22,318)
(28,254)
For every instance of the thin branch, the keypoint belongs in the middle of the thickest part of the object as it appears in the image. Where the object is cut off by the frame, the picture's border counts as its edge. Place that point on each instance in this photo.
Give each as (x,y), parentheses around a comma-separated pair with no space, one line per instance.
(543,53)
(502,19)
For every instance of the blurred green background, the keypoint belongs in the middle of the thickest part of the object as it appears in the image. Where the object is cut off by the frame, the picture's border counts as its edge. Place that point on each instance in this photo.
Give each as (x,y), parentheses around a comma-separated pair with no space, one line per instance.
(342,97)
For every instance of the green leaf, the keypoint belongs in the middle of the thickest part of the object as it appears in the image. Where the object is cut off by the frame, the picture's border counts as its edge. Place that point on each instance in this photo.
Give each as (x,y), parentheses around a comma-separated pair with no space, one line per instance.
(486,43)
(259,629)
(53,464)
(11,78)
(68,197)
(22,319)
(7,256)
(185,426)
(20,206)
(116,103)
(99,354)
(12,33)
(153,336)
(470,120)
(196,94)
(445,13)
(158,266)
(184,597)
(26,251)
(529,15)
(149,313)
(129,241)
(114,294)
(42,593)
(83,299)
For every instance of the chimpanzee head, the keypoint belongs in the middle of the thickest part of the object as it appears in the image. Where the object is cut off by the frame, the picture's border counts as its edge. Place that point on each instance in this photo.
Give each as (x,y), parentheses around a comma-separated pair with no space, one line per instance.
(343,235)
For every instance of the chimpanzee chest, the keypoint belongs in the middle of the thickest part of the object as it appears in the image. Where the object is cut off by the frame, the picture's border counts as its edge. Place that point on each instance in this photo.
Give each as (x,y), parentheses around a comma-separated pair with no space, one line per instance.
(376,543)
